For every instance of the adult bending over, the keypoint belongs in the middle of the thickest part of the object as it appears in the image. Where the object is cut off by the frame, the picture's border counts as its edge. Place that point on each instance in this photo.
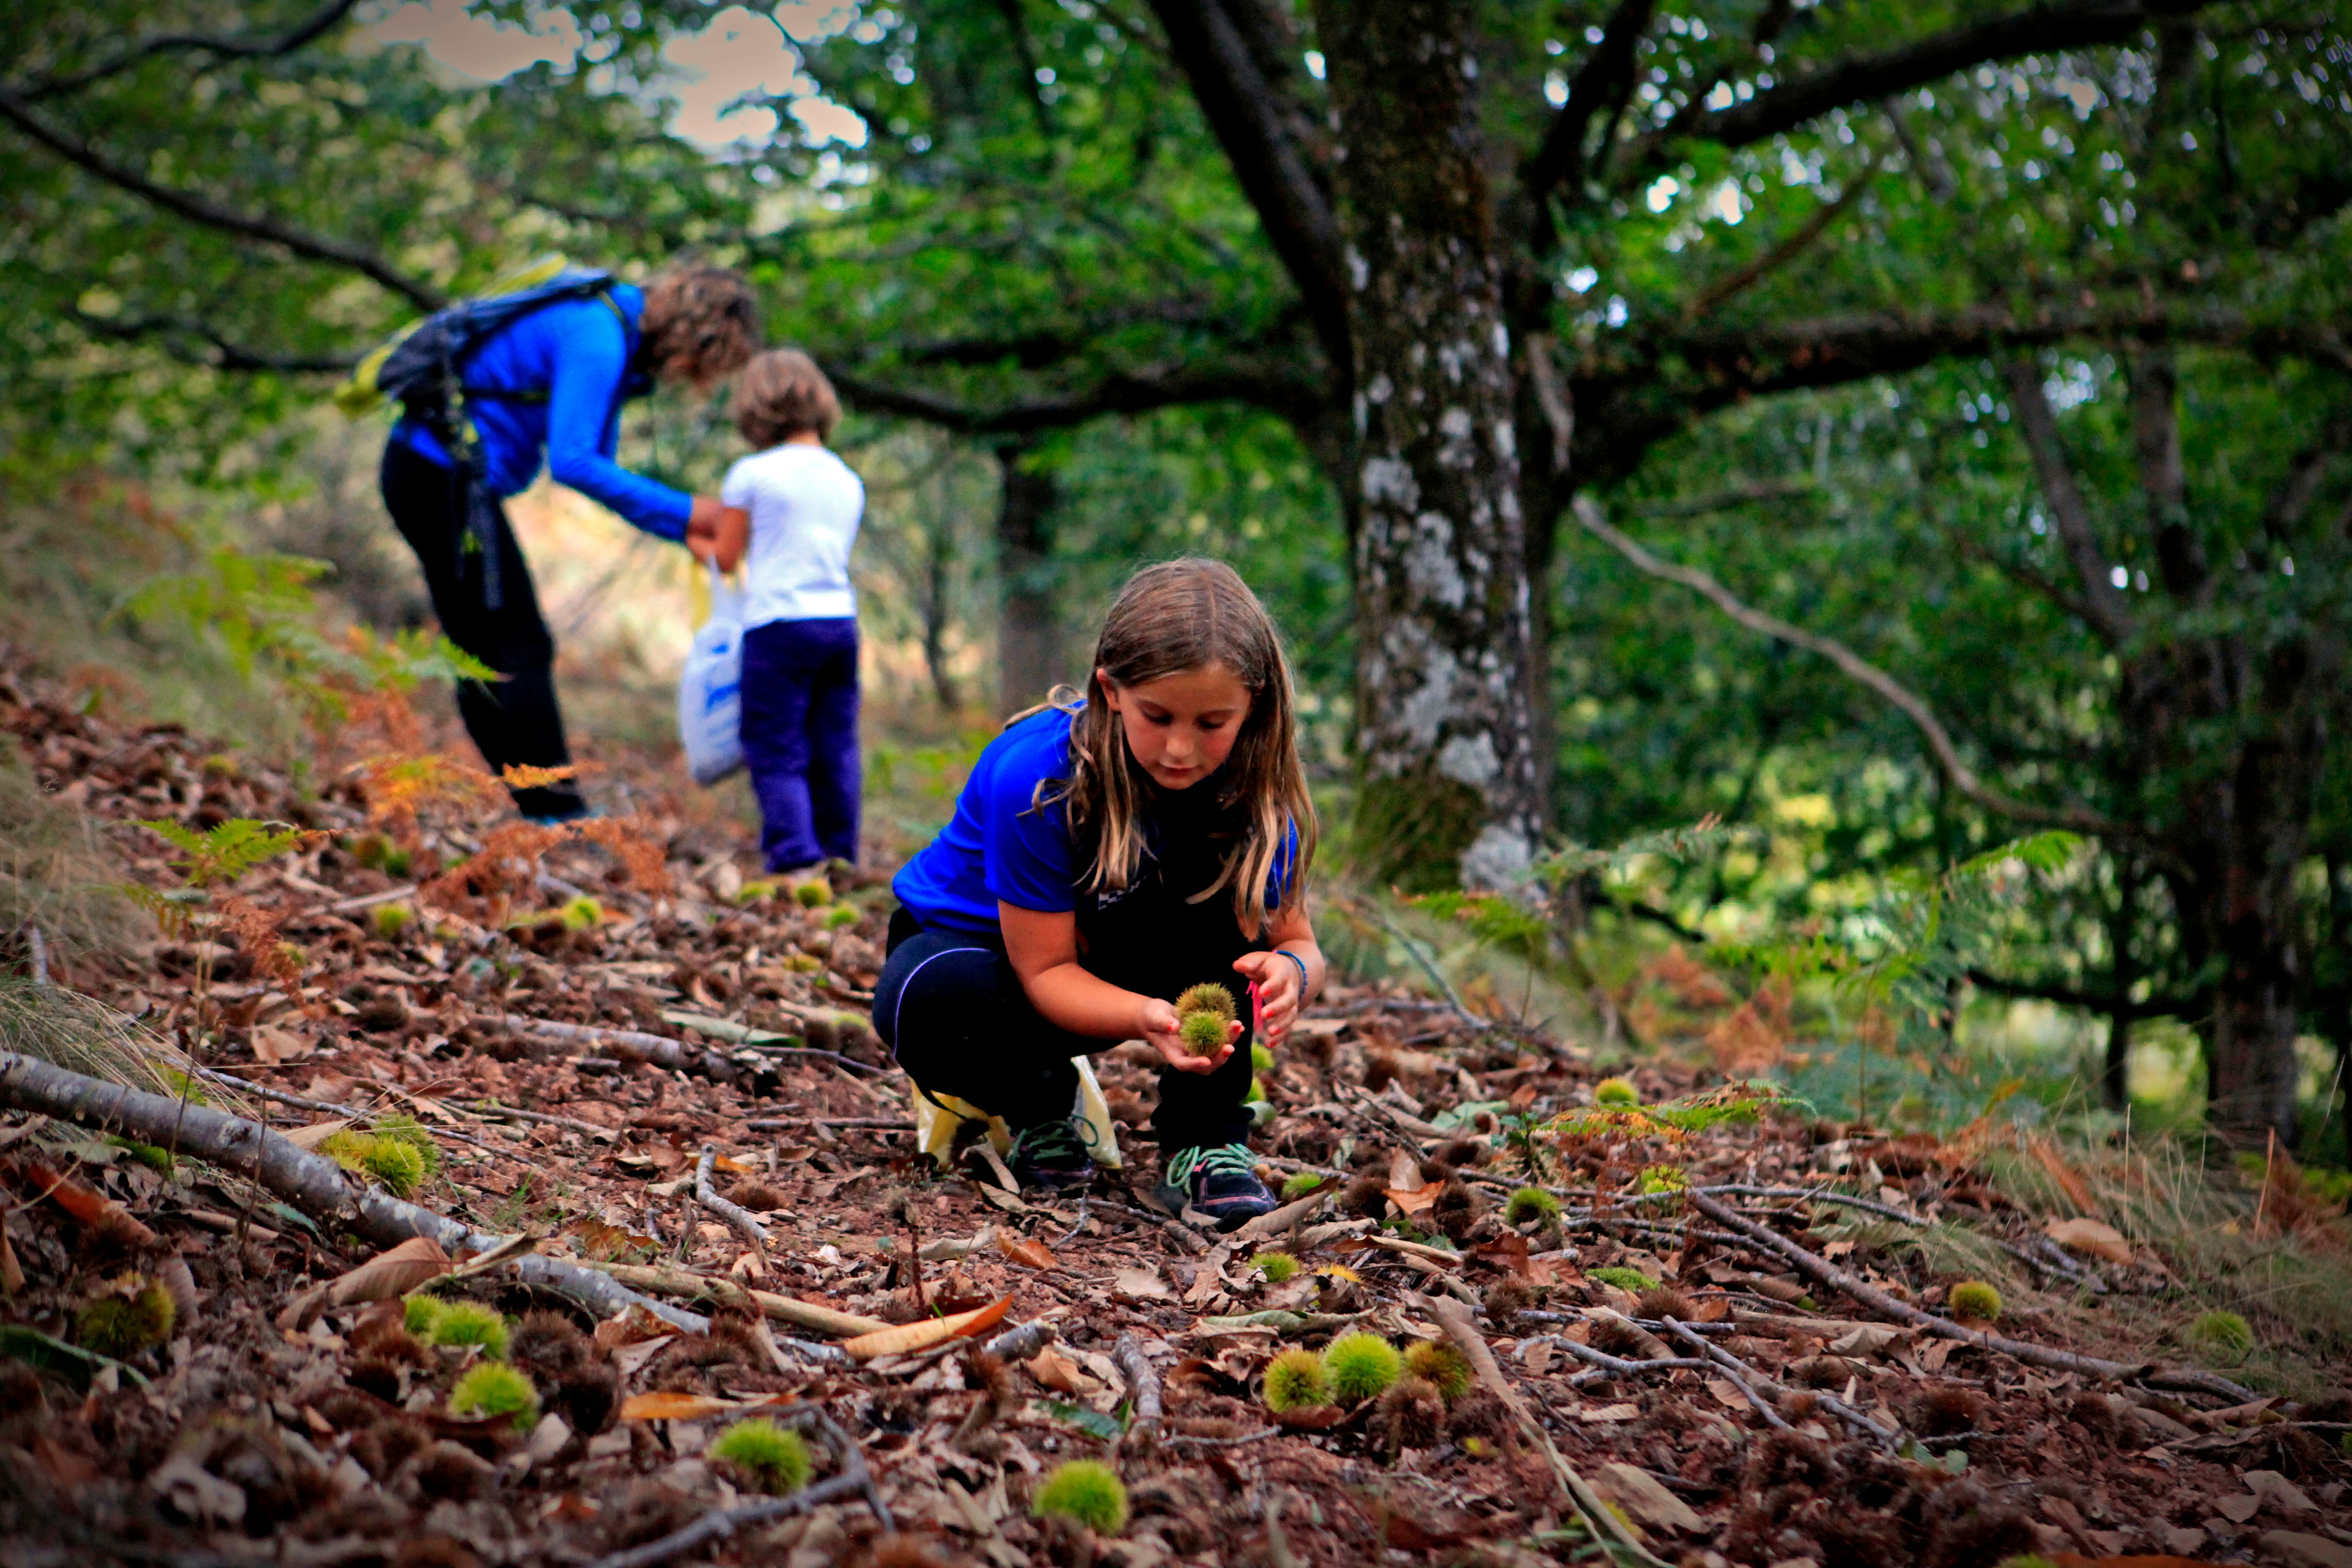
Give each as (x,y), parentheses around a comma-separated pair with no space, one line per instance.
(551,383)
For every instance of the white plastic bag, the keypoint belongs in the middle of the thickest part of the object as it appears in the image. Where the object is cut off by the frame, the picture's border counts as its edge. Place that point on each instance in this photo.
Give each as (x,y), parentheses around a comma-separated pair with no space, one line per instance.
(711,691)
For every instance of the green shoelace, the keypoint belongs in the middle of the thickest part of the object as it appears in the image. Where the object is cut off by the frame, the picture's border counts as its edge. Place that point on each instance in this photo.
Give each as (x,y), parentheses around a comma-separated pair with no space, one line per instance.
(1230,1159)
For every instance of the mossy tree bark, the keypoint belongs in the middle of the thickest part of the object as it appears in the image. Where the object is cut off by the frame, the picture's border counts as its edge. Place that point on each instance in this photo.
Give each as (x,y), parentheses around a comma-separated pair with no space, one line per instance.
(1445,724)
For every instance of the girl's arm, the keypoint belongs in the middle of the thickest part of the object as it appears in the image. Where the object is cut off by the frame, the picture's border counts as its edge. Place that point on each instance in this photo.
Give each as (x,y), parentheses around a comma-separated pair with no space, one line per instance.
(1044,949)
(1284,986)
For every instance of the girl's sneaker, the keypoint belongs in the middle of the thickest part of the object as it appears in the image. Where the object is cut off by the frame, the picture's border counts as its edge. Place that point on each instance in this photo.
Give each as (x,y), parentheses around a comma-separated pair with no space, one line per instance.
(1219,1180)
(1050,1155)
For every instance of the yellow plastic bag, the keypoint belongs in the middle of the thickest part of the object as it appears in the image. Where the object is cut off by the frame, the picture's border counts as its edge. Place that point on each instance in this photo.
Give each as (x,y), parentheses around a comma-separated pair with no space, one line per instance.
(936,1120)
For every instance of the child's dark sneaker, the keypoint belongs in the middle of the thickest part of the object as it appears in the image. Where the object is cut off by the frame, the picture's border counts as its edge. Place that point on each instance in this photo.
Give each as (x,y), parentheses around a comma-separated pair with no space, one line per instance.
(1218,1180)
(1050,1155)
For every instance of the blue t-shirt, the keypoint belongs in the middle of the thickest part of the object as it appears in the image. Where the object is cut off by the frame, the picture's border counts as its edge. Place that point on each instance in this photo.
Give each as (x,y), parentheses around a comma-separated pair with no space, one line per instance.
(1001,846)
(576,352)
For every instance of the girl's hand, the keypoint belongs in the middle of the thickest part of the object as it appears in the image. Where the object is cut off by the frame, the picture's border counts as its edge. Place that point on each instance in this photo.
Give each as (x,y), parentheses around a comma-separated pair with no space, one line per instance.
(1159,1031)
(1276,980)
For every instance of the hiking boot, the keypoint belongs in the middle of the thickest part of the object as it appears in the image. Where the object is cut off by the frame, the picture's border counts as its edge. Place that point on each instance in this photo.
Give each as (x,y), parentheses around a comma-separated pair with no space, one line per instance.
(1050,1155)
(1218,1180)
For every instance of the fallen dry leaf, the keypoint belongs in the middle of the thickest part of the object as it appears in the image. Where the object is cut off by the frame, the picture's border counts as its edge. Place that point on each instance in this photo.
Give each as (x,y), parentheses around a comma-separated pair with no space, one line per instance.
(1640,1494)
(1060,1373)
(661,1404)
(911,1337)
(1414,1200)
(90,1206)
(1605,1415)
(1026,1252)
(394,1272)
(2091,1236)
(1141,1285)
(318,1133)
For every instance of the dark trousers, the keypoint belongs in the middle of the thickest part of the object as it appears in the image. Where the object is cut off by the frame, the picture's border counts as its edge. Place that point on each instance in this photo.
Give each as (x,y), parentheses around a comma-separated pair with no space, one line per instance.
(514,721)
(952,1010)
(800,739)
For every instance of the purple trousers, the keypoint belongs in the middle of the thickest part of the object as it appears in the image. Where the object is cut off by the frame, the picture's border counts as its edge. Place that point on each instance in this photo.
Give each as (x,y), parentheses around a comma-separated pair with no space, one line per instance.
(800,739)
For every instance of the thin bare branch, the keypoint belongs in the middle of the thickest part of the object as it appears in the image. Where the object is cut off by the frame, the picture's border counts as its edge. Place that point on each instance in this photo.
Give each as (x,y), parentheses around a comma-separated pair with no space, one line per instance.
(201,344)
(2102,604)
(320,23)
(1963,778)
(1789,250)
(2037,29)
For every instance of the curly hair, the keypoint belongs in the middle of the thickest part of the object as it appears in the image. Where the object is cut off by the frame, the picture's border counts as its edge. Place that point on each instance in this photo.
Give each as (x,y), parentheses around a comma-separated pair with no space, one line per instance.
(783,393)
(700,324)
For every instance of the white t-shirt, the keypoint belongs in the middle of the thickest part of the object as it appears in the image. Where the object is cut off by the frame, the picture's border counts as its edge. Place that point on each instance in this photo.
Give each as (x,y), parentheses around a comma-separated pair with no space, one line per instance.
(805,505)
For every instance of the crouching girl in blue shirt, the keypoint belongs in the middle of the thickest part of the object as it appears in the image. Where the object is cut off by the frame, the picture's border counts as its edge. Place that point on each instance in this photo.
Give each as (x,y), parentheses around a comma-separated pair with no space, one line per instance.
(1106,855)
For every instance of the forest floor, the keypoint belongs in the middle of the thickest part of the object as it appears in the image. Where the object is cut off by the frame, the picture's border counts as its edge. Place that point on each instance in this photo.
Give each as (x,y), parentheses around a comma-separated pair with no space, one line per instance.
(1754,1363)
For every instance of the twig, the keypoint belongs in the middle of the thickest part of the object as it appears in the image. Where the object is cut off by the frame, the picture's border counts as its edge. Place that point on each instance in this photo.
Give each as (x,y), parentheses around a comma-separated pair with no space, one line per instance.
(1743,1376)
(311,1182)
(328,1107)
(494,1110)
(670,1053)
(1618,1366)
(1888,1436)
(365,900)
(721,1524)
(1190,1241)
(853,1466)
(37,954)
(1428,966)
(750,1229)
(1827,1273)
(871,1123)
(1142,1383)
(808,1315)
(1603,1521)
(1021,1341)
(1071,1235)
(1222,1442)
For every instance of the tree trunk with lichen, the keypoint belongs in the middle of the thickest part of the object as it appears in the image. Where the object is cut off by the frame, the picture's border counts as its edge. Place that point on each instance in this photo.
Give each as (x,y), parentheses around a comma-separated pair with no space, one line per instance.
(1445,730)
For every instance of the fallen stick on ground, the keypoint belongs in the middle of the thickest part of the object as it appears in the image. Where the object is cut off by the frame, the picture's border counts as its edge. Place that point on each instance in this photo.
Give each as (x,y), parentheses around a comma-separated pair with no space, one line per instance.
(664,1281)
(1142,1383)
(750,1229)
(491,1109)
(670,1053)
(722,1523)
(772,1043)
(1605,1366)
(1021,1341)
(1605,1524)
(1747,1374)
(311,1183)
(331,1108)
(1825,1272)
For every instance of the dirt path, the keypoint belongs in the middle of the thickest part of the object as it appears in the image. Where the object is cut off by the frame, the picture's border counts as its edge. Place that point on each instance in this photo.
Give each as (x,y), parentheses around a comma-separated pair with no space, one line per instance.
(574,1022)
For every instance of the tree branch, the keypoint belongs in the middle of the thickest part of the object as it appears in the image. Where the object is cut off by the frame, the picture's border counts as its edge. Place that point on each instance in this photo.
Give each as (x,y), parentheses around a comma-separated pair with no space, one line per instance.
(1948,756)
(2038,30)
(1243,111)
(1788,250)
(1559,159)
(2092,1001)
(2103,604)
(1120,392)
(224,354)
(320,23)
(213,214)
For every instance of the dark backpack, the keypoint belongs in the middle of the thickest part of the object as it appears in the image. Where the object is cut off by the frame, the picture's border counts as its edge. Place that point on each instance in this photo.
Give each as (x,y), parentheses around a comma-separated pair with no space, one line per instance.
(418,370)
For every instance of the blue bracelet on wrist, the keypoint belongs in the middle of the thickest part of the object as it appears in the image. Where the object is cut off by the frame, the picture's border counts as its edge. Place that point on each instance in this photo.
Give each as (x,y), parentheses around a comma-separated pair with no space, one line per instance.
(1294,958)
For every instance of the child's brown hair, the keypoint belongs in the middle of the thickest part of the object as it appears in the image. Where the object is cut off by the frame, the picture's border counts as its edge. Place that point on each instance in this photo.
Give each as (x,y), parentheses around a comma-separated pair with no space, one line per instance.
(1176,616)
(780,393)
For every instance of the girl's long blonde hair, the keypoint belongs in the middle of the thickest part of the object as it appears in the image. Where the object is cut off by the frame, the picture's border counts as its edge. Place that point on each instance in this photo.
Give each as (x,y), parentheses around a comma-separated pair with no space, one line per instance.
(1170,618)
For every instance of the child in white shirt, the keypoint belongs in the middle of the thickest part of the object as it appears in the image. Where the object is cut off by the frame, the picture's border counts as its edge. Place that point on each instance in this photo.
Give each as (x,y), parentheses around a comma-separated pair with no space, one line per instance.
(790,514)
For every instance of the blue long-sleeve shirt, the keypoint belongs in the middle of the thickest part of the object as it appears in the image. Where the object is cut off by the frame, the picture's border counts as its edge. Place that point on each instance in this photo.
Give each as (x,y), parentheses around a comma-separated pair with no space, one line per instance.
(576,352)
